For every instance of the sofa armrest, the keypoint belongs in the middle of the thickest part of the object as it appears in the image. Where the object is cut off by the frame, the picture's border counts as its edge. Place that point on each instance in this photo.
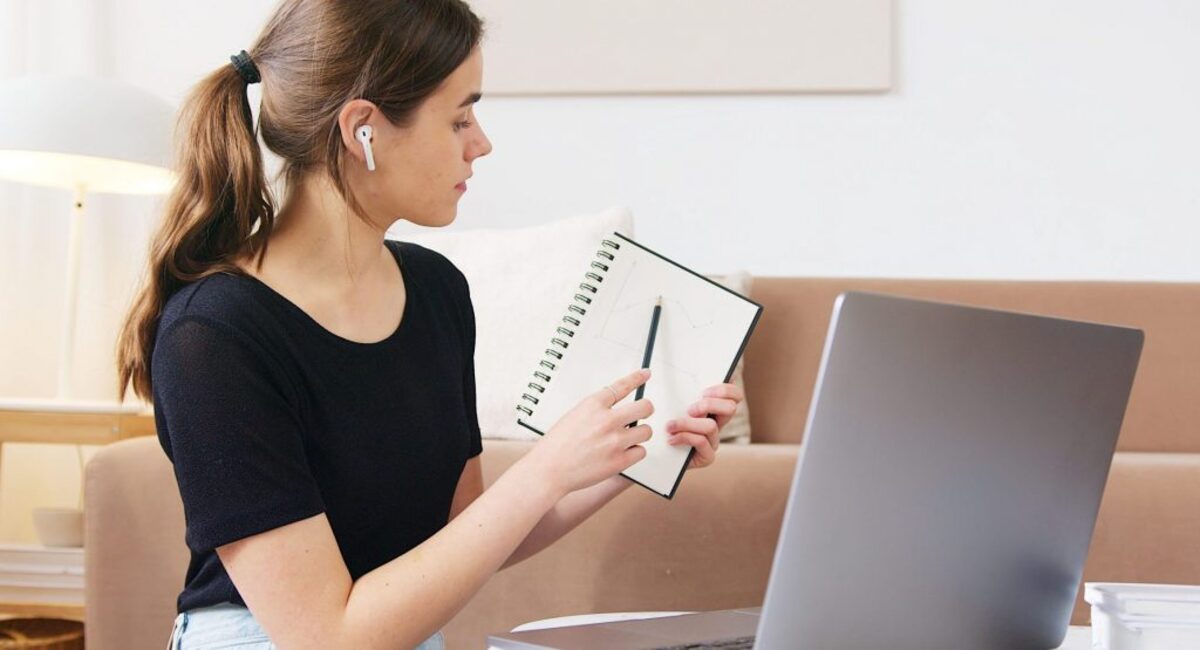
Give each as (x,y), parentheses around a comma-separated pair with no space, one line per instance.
(135,557)
(1148,529)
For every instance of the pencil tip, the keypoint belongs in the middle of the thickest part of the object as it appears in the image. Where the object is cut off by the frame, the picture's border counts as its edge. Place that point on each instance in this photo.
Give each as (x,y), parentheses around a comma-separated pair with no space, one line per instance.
(658,302)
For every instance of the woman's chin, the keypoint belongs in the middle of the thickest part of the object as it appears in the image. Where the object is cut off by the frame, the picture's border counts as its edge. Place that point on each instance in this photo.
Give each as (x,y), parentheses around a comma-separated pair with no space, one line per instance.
(437,219)
(449,217)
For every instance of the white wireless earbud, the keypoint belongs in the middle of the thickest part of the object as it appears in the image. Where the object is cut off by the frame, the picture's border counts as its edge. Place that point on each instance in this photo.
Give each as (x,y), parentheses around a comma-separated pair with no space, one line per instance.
(363,133)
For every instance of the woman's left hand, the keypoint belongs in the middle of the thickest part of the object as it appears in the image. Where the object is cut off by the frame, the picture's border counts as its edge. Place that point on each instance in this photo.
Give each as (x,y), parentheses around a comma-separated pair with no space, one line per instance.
(701,428)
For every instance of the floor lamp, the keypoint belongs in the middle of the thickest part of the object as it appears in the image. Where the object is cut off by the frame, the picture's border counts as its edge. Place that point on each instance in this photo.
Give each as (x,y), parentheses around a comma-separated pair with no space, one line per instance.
(84,135)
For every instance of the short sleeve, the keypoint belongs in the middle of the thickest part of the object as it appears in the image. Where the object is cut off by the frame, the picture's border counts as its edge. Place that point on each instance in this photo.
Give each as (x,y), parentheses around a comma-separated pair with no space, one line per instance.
(476,441)
(232,434)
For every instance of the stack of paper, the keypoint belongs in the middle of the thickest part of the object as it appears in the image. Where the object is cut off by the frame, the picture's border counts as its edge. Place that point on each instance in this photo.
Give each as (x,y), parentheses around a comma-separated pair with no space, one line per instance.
(1128,616)
(39,574)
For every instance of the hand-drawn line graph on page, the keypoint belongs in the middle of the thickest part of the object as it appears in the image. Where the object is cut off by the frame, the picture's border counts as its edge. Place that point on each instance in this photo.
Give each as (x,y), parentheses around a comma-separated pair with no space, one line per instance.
(682,326)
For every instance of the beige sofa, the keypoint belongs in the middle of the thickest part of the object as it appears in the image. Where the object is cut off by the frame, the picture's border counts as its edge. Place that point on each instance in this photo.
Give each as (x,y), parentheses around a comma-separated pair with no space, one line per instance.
(712,546)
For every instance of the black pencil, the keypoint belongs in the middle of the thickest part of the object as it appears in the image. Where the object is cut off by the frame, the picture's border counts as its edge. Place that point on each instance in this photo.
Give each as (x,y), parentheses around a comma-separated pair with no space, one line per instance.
(641,390)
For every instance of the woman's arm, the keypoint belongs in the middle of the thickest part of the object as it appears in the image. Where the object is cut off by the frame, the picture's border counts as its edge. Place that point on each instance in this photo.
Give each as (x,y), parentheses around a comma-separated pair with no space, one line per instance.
(569,512)
(718,402)
(294,580)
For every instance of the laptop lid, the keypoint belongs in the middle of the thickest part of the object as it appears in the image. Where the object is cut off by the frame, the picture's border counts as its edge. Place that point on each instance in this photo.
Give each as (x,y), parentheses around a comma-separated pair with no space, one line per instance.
(949,479)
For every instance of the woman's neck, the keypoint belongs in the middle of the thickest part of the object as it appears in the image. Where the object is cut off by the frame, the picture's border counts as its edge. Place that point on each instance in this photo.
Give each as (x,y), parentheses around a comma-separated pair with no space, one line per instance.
(318,240)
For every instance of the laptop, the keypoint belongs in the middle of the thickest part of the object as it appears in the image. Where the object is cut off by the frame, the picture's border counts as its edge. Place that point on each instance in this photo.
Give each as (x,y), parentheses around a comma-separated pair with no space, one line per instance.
(945,493)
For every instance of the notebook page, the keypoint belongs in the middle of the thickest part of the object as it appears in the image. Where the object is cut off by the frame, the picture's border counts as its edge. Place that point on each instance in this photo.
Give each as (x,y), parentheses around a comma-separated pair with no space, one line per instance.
(701,331)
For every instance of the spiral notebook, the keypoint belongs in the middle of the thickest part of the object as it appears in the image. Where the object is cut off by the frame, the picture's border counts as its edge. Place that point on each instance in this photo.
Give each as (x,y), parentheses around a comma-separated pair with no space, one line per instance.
(702,331)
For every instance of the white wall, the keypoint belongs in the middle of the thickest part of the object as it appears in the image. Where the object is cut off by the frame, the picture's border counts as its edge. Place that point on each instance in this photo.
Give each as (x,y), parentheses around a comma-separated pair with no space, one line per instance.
(1021,140)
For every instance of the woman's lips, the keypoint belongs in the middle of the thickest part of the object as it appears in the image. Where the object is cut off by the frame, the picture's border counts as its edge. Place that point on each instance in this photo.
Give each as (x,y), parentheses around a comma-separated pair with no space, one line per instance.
(461,187)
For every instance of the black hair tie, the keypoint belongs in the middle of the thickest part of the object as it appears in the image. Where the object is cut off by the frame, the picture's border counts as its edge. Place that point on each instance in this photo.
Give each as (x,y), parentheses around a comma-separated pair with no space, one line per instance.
(245,67)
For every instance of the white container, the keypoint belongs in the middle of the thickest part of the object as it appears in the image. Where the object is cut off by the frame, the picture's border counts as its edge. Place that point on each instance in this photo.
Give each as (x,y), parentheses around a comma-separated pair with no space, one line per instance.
(1128,616)
(59,527)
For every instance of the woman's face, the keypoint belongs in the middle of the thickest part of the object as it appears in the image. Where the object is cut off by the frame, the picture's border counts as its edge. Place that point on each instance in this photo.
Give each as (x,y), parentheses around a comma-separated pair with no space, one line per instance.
(421,170)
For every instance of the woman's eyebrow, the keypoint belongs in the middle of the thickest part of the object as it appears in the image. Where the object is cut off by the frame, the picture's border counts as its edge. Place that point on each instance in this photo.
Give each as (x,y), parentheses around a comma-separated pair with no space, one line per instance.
(471,99)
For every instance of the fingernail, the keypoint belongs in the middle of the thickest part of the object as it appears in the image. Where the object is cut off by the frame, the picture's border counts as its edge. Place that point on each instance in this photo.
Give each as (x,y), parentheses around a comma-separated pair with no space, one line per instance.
(646,372)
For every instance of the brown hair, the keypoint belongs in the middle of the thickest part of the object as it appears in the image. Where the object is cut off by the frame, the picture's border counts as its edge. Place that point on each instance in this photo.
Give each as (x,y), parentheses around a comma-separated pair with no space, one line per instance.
(313,56)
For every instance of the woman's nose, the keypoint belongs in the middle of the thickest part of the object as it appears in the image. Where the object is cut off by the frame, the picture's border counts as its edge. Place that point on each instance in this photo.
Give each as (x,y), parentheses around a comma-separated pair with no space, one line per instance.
(481,146)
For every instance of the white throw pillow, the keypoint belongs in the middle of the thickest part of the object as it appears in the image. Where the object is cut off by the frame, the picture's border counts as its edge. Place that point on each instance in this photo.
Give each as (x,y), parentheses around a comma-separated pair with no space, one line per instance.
(521,280)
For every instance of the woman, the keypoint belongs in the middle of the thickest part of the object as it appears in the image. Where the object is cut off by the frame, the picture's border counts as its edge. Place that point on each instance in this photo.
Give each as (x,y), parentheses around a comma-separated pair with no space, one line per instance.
(318,402)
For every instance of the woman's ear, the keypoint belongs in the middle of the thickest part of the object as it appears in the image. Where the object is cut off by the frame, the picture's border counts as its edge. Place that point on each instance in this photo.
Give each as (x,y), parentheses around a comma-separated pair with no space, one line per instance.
(358,113)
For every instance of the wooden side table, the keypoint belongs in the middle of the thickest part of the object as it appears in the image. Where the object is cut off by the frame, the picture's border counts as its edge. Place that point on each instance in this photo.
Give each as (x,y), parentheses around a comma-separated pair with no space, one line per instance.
(41,610)
(76,423)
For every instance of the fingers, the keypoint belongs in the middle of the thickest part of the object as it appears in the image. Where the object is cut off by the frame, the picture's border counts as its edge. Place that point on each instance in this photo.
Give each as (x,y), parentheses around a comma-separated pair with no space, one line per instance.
(622,387)
(703,426)
(639,410)
(635,435)
(712,406)
(727,391)
(633,455)
(705,454)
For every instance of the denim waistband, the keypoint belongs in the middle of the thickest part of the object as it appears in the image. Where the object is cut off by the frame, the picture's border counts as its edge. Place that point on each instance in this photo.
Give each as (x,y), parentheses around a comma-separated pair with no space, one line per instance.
(229,626)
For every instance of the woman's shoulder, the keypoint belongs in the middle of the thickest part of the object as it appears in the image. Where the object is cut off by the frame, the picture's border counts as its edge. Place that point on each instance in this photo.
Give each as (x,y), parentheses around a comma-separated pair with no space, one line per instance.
(221,300)
(426,262)
(408,251)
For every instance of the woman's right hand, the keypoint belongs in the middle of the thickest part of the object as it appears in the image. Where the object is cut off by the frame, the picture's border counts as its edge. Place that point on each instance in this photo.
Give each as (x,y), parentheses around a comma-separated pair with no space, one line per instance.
(591,442)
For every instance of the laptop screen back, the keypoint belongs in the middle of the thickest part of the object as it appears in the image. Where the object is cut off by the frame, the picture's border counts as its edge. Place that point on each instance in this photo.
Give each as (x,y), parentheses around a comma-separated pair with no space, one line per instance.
(950,478)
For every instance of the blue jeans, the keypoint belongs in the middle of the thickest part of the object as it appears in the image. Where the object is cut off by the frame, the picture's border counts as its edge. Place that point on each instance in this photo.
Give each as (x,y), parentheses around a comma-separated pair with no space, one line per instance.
(233,627)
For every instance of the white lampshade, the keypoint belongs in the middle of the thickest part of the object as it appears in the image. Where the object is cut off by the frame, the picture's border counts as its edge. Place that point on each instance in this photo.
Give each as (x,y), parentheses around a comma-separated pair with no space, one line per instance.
(85,133)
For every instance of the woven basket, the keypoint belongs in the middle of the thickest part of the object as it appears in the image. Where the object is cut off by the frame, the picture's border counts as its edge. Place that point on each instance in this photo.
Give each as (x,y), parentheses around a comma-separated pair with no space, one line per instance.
(41,633)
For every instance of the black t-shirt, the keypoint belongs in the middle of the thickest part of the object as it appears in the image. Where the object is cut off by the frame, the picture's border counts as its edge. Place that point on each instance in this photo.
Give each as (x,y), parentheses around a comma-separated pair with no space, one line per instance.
(270,418)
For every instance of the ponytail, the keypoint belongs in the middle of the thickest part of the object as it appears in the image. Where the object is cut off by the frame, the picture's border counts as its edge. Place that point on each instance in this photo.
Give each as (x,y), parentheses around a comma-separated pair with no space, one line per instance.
(314,56)
(220,209)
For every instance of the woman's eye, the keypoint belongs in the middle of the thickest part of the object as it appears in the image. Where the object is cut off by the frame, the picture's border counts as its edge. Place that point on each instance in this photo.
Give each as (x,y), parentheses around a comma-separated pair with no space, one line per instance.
(462,125)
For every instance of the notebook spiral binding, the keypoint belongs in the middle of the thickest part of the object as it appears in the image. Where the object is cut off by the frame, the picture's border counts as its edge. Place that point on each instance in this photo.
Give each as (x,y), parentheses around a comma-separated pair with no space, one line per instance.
(563,333)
